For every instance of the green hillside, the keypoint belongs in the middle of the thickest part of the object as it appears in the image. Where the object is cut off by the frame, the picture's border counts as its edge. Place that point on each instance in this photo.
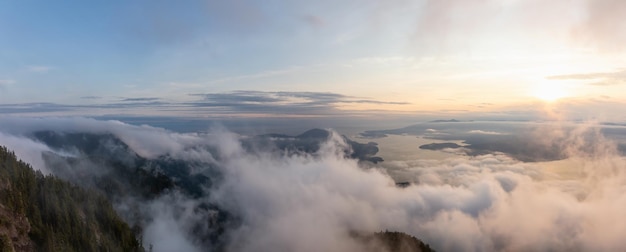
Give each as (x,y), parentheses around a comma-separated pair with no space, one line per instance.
(44,213)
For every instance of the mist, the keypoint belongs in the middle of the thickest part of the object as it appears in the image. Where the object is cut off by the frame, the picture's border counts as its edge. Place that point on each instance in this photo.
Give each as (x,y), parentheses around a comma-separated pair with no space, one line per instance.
(270,200)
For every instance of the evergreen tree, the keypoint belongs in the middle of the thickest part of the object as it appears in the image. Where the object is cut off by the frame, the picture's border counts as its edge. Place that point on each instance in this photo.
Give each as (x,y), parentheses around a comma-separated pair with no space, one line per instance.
(59,216)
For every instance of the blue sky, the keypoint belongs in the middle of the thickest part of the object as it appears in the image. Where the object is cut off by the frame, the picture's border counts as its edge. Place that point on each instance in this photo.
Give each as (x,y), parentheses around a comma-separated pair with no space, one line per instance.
(102,49)
(407,56)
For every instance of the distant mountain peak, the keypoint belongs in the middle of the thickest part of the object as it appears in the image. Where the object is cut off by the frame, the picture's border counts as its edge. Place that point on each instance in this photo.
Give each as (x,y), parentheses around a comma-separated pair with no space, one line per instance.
(444,121)
(315,133)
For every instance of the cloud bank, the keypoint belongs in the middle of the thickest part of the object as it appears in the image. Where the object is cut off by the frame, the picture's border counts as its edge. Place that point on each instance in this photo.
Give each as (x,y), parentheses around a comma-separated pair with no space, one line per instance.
(241,102)
(598,79)
(311,202)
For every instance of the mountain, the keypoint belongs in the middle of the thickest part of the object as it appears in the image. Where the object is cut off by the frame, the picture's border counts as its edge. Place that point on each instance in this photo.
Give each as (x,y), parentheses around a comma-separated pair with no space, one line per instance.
(445,121)
(127,173)
(401,242)
(310,141)
(315,134)
(104,163)
(45,213)
(439,146)
(392,241)
(137,186)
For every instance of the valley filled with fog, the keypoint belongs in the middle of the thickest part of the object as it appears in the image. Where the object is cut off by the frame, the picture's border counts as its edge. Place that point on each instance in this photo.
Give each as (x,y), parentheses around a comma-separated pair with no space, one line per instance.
(502,186)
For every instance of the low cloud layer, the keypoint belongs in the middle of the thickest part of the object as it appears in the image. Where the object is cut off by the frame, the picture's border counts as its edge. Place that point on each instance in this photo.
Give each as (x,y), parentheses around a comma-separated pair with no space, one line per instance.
(244,102)
(283,102)
(311,202)
(596,79)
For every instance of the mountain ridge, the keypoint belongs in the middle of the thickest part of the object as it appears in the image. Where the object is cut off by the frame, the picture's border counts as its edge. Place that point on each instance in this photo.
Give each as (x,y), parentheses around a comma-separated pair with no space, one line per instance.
(49,214)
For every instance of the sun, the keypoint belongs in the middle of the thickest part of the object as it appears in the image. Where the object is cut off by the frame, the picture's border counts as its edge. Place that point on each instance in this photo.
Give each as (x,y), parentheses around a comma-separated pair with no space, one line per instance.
(550,92)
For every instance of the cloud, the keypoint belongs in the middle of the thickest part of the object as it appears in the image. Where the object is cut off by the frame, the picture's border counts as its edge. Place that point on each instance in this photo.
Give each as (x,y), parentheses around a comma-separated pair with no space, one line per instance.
(26,149)
(305,202)
(141,99)
(478,204)
(33,108)
(598,78)
(485,132)
(145,140)
(602,25)
(282,102)
(247,102)
(55,109)
(444,26)
(39,69)
(91,97)
(239,97)
(165,233)
(5,83)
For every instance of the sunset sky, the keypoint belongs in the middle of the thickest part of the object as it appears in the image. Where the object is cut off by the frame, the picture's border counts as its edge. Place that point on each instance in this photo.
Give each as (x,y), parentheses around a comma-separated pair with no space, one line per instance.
(312,57)
(318,125)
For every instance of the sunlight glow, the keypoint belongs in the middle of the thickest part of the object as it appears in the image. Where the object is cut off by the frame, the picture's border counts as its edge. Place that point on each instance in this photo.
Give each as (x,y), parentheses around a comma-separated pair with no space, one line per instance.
(550,92)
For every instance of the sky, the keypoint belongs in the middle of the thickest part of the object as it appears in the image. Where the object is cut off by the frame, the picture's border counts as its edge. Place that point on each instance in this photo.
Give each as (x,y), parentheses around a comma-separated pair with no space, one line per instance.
(313,58)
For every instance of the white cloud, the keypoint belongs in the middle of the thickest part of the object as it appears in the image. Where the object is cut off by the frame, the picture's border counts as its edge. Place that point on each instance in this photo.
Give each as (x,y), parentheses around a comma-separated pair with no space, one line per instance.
(27,150)
(485,132)
(39,69)
(6,82)
(311,202)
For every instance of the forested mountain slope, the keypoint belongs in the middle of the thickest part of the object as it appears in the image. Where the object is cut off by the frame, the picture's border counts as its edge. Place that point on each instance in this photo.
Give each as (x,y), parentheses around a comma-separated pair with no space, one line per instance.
(44,213)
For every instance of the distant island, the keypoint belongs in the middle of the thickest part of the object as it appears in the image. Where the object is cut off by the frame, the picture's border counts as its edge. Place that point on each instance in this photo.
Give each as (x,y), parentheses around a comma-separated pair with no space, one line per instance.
(445,121)
(440,146)
(372,134)
(310,141)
